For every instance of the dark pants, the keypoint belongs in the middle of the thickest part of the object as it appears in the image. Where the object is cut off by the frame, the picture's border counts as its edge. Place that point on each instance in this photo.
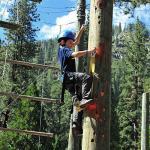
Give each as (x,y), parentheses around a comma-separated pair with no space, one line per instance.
(79,86)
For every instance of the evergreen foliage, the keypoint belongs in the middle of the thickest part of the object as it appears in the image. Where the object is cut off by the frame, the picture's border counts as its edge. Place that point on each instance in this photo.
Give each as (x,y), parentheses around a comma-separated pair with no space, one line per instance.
(130,5)
(129,73)
(130,78)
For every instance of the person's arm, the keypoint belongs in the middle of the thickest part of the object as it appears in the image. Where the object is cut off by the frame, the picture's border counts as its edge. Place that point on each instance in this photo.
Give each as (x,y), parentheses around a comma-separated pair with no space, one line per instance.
(77,40)
(83,53)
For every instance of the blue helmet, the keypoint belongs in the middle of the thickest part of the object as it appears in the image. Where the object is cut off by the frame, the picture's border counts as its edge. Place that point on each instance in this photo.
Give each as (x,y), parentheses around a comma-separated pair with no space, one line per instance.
(67,34)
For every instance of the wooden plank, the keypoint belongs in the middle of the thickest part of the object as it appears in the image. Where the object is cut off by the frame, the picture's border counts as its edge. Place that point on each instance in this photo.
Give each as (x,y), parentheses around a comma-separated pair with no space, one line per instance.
(36,1)
(30,64)
(39,99)
(28,132)
(9,25)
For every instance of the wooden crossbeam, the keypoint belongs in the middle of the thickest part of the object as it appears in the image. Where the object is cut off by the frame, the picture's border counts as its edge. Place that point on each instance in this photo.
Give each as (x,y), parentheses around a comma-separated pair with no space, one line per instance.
(36,0)
(39,99)
(9,25)
(28,132)
(30,64)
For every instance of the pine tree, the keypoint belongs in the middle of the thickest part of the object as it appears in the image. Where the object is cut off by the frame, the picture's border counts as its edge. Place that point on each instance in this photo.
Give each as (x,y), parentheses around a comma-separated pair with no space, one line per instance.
(129,106)
(55,117)
(130,5)
(118,72)
(21,46)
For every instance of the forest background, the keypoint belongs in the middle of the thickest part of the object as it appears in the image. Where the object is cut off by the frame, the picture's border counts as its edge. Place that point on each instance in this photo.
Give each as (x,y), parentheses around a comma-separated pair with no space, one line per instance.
(130,78)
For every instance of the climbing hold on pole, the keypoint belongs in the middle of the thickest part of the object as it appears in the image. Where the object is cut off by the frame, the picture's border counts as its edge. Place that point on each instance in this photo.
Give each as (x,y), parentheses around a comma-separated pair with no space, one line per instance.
(91,107)
(100,50)
(102,3)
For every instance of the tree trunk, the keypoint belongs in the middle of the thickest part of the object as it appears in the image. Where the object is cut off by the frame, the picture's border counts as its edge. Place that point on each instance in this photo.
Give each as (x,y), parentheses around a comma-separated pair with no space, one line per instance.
(96,127)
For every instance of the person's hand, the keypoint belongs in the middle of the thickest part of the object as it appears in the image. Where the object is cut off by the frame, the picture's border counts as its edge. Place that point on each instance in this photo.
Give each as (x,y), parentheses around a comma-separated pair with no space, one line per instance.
(77,40)
(83,27)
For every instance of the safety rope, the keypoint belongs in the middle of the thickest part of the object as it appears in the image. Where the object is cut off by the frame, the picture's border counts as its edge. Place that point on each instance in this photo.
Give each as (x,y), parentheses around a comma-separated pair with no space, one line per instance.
(4,9)
(41,114)
(14,101)
(4,67)
(41,110)
(16,3)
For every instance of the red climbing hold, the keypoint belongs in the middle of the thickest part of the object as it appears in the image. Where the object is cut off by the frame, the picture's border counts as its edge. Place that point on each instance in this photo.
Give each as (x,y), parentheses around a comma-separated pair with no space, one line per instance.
(101,3)
(91,110)
(100,50)
(91,106)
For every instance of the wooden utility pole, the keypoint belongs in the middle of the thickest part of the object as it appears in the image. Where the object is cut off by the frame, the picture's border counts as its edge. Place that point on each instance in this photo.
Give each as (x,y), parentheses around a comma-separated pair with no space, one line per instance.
(145,122)
(96,127)
(74,142)
(81,5)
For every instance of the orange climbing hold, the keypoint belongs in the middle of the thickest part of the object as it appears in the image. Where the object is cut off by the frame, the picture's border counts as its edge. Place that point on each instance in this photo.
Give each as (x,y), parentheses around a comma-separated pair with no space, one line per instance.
(91,111)
(101,93)
(100,50)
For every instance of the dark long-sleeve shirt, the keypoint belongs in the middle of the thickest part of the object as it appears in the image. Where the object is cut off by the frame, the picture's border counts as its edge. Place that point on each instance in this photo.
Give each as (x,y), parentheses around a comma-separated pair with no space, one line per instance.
(66,60)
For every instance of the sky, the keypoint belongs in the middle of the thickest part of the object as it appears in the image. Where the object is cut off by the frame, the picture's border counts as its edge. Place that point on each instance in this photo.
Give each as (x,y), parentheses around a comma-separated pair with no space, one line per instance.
(58,15)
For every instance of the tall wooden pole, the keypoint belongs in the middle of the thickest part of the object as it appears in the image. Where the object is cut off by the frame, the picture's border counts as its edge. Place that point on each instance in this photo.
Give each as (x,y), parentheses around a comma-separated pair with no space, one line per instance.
(71,139)
(96,127)
(74,142)
(145,122)
(81,5)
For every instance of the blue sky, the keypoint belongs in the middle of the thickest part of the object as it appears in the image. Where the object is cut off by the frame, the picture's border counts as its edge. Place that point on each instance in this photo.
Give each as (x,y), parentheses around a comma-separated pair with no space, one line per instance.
(57,15)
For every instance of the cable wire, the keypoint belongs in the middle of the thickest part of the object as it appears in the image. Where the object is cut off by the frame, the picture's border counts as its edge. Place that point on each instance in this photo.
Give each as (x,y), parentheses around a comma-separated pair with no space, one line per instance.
(4,9)
(14,101)
(41,110)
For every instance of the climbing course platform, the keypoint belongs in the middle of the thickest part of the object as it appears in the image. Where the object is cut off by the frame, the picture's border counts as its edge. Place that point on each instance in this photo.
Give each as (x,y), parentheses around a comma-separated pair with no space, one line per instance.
(28,132)
(39,99)
(38,1)
(28,64)
(9,25)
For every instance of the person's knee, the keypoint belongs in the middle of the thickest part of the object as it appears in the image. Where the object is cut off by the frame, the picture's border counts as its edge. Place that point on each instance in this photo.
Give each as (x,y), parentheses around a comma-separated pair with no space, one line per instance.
(89,78)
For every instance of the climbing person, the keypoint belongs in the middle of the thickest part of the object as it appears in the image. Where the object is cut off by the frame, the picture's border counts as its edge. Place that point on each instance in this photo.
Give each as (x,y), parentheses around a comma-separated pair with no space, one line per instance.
(72,80)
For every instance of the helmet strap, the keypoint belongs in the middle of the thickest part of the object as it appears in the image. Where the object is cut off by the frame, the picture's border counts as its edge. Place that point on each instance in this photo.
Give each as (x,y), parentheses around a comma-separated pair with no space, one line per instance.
(62,42)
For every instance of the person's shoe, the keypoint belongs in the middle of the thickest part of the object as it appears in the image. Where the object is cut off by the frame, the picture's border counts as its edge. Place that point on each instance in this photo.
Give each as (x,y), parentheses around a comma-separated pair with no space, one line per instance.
(76,101)
(77,130)
(85,102)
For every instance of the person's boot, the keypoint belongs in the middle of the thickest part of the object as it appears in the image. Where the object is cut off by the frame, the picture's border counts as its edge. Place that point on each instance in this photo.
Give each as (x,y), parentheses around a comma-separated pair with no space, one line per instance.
(85,102)
(77,129)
